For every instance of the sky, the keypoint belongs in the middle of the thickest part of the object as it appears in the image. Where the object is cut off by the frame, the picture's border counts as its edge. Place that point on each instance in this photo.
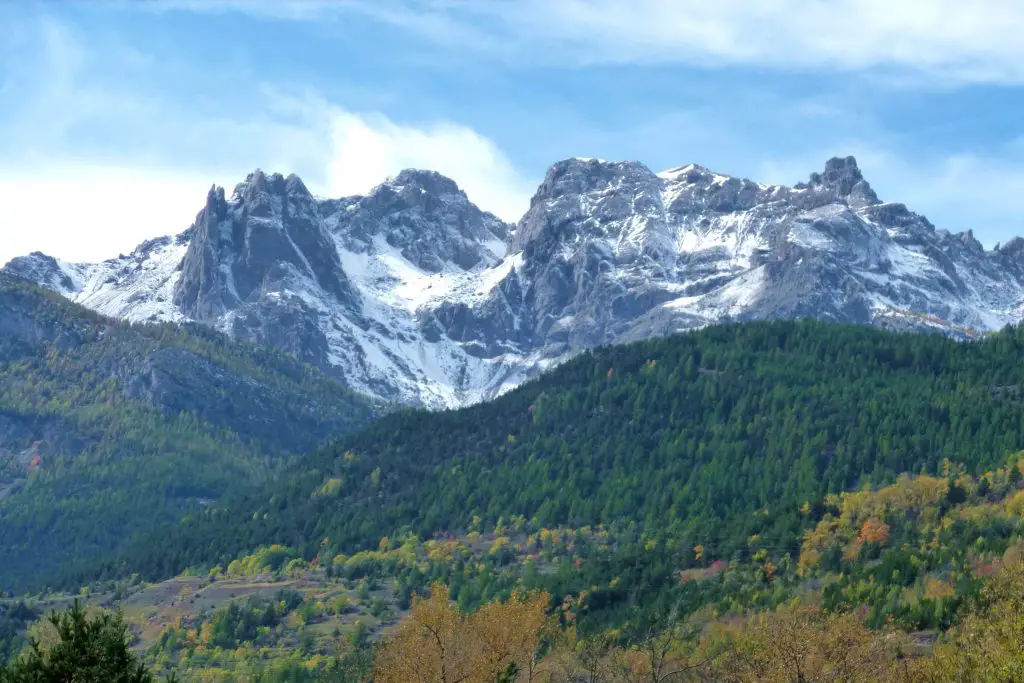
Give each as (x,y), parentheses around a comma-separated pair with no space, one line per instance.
(117,116)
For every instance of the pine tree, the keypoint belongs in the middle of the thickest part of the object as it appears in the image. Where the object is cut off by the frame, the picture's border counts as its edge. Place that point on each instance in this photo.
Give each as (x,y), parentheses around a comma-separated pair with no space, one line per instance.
(87,650)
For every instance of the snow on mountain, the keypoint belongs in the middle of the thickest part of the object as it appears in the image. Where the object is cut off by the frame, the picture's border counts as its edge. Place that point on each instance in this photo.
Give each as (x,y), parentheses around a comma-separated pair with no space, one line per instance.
(137,287)
(413,294)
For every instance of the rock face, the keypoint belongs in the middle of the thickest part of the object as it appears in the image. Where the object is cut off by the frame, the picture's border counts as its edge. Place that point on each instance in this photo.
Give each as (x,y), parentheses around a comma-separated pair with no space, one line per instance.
(413,294)
(423,216)
(269,234)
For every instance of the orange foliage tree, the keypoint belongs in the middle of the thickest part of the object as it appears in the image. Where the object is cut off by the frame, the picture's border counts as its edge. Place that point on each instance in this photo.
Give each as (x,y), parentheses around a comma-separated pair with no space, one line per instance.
(874,531)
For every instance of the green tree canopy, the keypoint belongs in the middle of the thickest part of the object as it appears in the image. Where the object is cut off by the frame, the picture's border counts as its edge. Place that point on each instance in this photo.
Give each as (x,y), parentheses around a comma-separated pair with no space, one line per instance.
(87,650)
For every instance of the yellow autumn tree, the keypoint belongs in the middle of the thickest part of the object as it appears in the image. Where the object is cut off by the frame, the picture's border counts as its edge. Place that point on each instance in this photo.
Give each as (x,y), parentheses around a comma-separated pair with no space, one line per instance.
(509,633)
(805,645)
(988,645)
(437,643)
(428,646)
(675,654)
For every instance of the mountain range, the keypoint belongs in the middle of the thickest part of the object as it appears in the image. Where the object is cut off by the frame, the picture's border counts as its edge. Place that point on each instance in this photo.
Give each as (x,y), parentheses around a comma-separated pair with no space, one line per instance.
(412,294)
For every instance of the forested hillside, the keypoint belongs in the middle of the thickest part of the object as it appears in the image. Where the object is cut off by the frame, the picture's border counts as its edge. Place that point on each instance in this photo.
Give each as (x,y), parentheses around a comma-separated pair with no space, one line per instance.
(109,429)
(729,503)
(706,439)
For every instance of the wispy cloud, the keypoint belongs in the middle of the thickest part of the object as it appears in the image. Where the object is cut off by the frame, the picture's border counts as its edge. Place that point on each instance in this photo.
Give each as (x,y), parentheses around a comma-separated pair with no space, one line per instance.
(964,40)
(86,212)
(940,40)
(290,10)
(89,211)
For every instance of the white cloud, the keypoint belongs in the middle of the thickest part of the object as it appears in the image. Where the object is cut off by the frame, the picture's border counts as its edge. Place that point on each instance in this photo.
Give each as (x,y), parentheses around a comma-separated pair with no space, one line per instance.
(293,10)
(368,148)
(65,190)
(91,213)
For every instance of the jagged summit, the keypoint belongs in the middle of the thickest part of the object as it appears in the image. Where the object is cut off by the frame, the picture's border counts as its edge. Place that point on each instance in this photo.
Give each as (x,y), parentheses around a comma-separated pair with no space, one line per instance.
(427,181)
(412,293)
(842,178)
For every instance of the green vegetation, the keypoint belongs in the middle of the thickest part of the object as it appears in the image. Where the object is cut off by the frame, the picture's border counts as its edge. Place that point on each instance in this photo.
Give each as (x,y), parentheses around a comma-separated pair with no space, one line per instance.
(275,638)
(521,638)
(705,440)
(108,429)
(831,479)
(14,620)
(728,504)
(81,648)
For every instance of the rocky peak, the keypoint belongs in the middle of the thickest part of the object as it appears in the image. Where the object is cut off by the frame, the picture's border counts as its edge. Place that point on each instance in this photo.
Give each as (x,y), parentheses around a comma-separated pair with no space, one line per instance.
(448,304)
(216,204)
(258,181)
(583,196)
(293,185)
(423,214)
(431,182)
(694,189)
(254,182)
(1013,247)
(842,180)
(841,174)
(414,189)
(42,269)
(1011,252)
(259,185)
(581,175)
(969,241)
(269,232)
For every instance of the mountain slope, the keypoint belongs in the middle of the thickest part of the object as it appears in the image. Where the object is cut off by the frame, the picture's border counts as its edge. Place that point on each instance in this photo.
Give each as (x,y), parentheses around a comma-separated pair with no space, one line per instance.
(109,429)
(413,294)
(706,438)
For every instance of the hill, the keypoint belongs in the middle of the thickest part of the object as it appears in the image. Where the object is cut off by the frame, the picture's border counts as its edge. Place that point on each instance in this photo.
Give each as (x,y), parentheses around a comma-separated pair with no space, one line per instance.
(109,429)
(705,439)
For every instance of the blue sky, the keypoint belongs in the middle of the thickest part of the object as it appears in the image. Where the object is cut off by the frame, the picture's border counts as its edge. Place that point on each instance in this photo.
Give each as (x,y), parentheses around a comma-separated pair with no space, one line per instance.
(115,117)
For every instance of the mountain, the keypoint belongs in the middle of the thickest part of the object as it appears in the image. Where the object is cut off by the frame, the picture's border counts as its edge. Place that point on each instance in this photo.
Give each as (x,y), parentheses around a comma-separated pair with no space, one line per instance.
(412,294)
(711,438)
(109,429)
